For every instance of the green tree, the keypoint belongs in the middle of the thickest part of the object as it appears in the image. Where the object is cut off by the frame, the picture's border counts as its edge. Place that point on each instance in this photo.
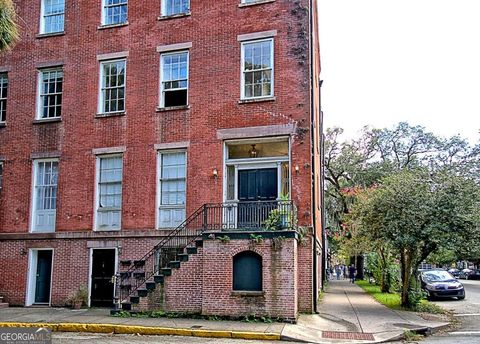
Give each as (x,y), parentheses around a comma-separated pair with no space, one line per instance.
(8,25)
(416,212)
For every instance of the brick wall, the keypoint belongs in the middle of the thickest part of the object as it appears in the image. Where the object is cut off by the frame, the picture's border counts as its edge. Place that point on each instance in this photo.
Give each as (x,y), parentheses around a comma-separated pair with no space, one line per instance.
(279,285)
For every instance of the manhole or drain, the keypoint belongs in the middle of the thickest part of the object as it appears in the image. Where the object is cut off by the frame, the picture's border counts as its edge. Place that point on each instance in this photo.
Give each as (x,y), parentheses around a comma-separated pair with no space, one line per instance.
(347,335)
(196,326)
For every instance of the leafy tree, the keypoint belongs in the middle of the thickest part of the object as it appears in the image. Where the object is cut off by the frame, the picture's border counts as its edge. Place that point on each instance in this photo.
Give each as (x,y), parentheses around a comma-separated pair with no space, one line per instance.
(8,25)
(415,212)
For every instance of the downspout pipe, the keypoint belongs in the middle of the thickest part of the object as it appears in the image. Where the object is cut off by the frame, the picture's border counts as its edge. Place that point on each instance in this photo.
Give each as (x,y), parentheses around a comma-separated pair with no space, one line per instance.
(312,157)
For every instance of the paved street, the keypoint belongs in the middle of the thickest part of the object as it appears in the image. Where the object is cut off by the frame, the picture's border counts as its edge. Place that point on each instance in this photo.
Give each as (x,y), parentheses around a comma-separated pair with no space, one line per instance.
(467,312)
(80,338)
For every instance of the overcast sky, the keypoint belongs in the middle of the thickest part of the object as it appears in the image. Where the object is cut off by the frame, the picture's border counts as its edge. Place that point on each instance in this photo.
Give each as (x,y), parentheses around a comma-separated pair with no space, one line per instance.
(386,61)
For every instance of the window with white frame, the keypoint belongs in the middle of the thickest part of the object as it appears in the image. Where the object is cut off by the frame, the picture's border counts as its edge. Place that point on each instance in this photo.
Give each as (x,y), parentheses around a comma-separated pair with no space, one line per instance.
(112,89)
(53,16)
(257,69)
(109,192)
(3,97)
(44,195)
(172,188)
(114,12)
(174,79)
(50,93)
(174,7)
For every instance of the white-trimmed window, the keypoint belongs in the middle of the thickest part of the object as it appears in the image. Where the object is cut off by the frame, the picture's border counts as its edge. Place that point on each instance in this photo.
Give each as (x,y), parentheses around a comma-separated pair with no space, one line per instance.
(50,93)
(257,69)
(172,188)
(174,7)
(174,79)
(3,97)
(109,192)
(45,178)
(53,16)
(112,86)
(114,12)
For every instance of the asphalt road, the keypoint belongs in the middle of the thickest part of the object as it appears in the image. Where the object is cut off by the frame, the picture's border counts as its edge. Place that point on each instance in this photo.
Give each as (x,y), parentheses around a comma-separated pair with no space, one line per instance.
(467,312)
(90,338)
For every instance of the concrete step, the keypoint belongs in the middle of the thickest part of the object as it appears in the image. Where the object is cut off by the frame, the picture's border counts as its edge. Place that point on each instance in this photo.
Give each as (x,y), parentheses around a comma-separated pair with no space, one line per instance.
(3,305)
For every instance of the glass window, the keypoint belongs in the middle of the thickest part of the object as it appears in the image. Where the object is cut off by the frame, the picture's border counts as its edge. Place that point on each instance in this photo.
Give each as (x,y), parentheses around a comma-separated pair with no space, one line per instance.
(53,16)
(115,12)
(109,192)
(3,97)
(113,86)
(45,195)
(51,88)
(172,189)
(257,69)
(174,78)
(172,7)
(247,271)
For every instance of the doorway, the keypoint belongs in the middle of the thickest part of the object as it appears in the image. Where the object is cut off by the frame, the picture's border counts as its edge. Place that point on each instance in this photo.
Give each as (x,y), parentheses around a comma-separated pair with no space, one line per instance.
(103,269)
(39,277)
(257,196)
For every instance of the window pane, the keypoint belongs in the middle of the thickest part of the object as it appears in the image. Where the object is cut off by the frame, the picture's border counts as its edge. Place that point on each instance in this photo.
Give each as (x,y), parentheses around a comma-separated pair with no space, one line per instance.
(53,16)
(113,86)
(176,7)
(258,68)
(51,93)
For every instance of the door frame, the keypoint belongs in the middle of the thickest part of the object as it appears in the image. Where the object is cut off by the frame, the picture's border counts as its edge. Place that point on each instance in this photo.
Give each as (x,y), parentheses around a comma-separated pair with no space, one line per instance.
(31,276)
(256,163)
(90,268)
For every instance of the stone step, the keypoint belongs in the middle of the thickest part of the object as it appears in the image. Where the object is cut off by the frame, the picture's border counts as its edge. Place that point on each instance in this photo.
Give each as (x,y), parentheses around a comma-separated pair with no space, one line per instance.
(126,306)
(167,272)
(142,292)
(192,250)
(134,299)
(183,257)
(199,243)
(174,264)
(159,278)
(150,286)
(3,305)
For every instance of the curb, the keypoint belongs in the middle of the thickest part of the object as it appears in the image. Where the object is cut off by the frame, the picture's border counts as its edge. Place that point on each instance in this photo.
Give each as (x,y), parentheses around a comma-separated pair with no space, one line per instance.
(145,330)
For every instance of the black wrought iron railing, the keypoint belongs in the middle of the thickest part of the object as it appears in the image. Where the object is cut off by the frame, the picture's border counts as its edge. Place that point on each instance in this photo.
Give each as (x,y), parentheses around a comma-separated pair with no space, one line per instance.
(261,215)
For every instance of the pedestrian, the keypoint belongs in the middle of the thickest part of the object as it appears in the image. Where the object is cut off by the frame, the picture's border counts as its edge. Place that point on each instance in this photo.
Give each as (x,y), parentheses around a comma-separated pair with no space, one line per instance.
(338,271)
(351,272)
(345,271)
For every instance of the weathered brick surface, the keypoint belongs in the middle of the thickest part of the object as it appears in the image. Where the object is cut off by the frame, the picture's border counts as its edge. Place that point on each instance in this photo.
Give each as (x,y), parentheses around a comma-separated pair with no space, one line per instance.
(213,97)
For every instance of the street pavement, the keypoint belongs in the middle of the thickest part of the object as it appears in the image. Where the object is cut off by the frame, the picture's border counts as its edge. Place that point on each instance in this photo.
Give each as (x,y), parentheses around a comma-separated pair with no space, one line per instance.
(347,315)
(467,312)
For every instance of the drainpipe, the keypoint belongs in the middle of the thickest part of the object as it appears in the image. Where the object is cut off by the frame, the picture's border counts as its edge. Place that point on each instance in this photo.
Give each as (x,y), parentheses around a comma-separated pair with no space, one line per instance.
(312,153)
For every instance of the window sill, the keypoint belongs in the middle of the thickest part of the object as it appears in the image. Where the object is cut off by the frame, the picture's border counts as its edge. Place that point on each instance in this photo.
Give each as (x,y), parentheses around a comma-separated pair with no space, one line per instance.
(259,2)
(173,108)
(247,293)
(111,26)
(173,16)
(110,114)
(50,34)
(47,120)
(107,230)
(3,124)
(257,100)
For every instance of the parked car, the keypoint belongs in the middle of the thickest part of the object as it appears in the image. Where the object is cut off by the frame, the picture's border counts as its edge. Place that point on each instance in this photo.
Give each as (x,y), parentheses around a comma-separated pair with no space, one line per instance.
(439,283)
(474,274)
(464,274)
(455,272)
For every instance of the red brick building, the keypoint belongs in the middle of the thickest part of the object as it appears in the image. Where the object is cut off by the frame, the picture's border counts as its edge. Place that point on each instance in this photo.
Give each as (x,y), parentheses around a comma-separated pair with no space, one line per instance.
(173,144)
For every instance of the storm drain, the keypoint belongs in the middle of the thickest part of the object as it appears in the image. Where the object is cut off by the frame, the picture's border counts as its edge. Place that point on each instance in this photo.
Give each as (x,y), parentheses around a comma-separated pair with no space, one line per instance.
(347,335)
(196,327)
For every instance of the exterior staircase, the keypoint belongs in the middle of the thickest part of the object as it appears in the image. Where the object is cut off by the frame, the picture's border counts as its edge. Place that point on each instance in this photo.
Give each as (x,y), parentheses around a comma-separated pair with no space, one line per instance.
(138,279)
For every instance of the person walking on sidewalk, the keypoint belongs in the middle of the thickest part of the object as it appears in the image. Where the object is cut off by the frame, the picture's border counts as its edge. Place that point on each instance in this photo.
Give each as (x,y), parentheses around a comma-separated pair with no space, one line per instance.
(351,272)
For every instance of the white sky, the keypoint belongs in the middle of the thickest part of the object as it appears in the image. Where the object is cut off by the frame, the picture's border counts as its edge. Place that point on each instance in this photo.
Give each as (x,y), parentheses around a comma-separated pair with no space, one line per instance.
(386,61)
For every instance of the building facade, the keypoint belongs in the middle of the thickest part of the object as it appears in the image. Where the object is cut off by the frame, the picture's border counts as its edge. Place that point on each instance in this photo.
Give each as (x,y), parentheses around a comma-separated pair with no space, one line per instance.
(163,154)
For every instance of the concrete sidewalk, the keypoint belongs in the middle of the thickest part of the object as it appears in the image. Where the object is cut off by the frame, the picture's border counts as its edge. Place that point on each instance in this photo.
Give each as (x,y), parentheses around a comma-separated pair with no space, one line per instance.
(346,311)
(348,315)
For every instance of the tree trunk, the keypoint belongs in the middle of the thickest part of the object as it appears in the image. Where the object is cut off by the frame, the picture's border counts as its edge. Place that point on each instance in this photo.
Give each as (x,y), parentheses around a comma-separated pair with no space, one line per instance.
(406,274)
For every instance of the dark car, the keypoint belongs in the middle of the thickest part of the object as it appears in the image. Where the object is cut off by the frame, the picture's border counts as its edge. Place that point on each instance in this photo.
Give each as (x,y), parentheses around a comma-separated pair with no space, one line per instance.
(474,275)
(439,283)
(455,272)
(465,273)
